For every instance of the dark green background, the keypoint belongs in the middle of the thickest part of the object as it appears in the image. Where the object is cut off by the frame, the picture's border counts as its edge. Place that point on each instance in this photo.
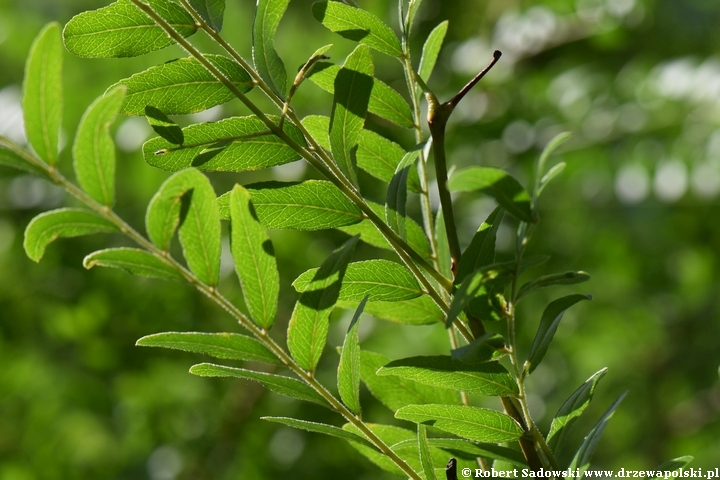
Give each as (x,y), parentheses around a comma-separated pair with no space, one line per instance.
(638,82)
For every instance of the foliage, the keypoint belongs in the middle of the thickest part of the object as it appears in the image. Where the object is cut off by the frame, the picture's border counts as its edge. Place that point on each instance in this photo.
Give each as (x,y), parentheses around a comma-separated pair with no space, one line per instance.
(483,296)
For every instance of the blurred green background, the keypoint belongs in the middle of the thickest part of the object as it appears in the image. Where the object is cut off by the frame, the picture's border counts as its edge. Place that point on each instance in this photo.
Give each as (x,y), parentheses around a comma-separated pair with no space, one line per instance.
(636,81)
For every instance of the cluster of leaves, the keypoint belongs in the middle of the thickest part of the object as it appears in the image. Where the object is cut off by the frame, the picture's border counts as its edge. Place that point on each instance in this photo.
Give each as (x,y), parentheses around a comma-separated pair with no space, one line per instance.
(466,290)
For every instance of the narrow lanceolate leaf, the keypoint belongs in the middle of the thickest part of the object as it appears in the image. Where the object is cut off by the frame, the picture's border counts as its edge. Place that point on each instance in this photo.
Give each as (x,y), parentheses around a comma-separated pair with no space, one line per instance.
(371,235)
(498,184)
(211,11)
(673,465)
(587,449)
(477,424)
(358,25)
(321,428)
(310,205)
(42,99)
(319,127)
(473,286)
(255,261)
(425,457)
(431,50)
(481,251)
(182,86)
(267,61)
(396,200)
(309,324)
(418,311)
(276,383)
(570,411)
(443,247)
(552,173)
(397,392)
(227,346)
(542,179)
(353,85)
(188,200)
(246,145)
(489,378)
(548,326)
(384,101)
(567,278)
(483,348)
(14,156)
(413,8)
(65,222)
(123,30)
(349,366)
(379,280)
(471,451)
(163,126)
(134,261)
(380,157)
(94,149)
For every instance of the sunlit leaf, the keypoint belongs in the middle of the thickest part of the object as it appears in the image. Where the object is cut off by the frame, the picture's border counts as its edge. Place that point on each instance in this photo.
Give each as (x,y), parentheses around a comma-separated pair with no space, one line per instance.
(211,11)
(94,149)
(122,30)
(358,25)
(63,223)
(353,85)
(163,126)
(566,278)
(255,261)
(380,157)
(498,184)
(319,127)
(227,346)
(425,456)
(134,261)
(42,99)
(396,199)
(542,179)
(431,50)
(477,424)
(320,428)
(276,383)
(348,374)
(14,156)
(309,324)
(267,62)
(489,378)
(182,86)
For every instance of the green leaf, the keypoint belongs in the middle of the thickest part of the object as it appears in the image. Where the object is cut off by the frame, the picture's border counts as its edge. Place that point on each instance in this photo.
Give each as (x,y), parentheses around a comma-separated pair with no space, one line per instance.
(122,30)
(348,375)
(413,8)
(276,383)
(548,326)
(540,180)
(309,205)
(211,11)
(396,393)
(477,424)
(358,25)
(319,127)
(14,156)
(380,157)
(384,101)
(396,199)
(246,145)
(587,449)
(187,199)
(134,261)
(471,451)
(475,285)
(255,261)
(353,85)
(673,465)
(309,324)
(163,126)
(431,50)
(320,428)
(267,61)
(571,410)
(481,251)
(182,86)
(489,378)
(498,184)
(566,278)
(42,99)
(418,311)
(552,173)
(425,456)
(94,149)
(65,222)
(371,235)
(380,280)
(443,247)
(482,349)
(228,346)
